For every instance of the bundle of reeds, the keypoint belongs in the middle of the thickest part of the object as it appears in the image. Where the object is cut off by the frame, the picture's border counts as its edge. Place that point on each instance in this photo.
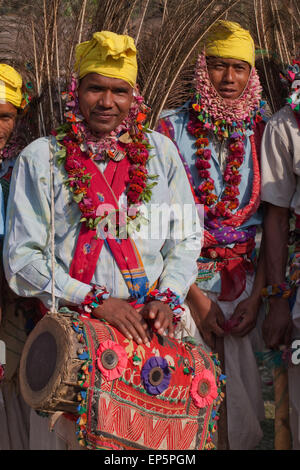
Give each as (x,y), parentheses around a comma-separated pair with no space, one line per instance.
(168,33)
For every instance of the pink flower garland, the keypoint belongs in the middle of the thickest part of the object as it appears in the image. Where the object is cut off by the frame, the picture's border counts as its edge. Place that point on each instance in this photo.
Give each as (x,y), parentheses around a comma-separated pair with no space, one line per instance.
(78,138)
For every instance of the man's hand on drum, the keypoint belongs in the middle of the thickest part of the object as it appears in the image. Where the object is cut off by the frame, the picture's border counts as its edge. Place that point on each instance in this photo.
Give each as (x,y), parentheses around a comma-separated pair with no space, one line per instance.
(125,318)
(160,317)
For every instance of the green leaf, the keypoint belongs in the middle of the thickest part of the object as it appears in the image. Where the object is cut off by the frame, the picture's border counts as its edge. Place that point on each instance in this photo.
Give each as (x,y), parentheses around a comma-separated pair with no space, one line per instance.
(150,186)
(78,197)
(152,177)
(97,220)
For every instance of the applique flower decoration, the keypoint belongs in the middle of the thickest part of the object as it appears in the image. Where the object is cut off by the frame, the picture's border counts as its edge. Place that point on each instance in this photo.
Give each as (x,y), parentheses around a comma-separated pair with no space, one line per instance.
(204,389)
(156,375)
(111,359)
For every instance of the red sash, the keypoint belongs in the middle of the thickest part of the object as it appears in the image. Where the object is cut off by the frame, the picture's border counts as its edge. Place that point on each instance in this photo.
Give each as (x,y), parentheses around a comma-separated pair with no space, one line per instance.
(104,191)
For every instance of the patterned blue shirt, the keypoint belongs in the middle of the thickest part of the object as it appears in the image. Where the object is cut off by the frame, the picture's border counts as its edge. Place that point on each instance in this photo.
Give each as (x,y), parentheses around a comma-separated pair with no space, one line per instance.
(179,118)
(167,255)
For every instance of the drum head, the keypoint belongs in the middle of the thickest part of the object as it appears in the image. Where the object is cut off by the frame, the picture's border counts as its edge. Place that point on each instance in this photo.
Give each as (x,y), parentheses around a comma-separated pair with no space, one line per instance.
(43,361)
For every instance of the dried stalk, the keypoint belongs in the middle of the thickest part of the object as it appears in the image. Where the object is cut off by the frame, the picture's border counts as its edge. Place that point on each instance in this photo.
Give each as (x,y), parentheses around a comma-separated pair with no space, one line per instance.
(58,66)
(163,55)
(75,32)
(282,35)
(277,35)
(141,22)
(260,45)
(47,65)
(82,20)
(41,121)
(129,16)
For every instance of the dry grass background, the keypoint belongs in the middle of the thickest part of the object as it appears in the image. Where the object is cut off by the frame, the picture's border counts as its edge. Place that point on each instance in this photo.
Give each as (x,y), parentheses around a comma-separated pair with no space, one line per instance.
(39,38)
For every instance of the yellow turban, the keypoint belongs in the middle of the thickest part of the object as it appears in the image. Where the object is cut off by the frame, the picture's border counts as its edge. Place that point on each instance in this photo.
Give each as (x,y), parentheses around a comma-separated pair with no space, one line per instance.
(10,85)
(227,39)
(109,54)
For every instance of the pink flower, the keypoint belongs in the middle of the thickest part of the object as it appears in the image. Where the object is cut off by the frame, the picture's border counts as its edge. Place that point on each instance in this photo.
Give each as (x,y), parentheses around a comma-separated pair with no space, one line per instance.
(204,389)
(72,163)
(207,154)
(202,164)
(204,174)
(111,359)
(87,207)
(133,196)
(235,180)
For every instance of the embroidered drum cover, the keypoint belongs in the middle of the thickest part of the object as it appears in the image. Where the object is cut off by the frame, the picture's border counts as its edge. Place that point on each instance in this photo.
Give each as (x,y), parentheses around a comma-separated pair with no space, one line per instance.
(162,397)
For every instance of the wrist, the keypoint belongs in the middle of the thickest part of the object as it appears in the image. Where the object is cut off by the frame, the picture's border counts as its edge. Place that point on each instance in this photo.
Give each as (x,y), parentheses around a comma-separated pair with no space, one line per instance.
(282,290)
(95,299)
(170,298)
(256,296)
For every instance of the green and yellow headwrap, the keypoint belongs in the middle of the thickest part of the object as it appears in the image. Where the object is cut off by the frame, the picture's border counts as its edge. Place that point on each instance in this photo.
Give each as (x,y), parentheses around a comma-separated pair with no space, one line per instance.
(108,54)
(10,85)
(230,41)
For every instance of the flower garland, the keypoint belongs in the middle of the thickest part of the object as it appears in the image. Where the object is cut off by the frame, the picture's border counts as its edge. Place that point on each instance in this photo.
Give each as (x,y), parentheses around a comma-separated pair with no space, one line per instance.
(208,114)
(291,79)
(128,139)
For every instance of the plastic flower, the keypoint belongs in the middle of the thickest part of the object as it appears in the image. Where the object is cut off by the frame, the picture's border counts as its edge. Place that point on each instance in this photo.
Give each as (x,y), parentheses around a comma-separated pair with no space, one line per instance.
(204,389)
(111,359)
(156,375)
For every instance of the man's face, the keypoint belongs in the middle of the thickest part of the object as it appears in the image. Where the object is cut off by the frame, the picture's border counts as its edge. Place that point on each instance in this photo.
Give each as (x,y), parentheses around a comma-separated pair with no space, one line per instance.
(228,76)
(8,114)
(104,102)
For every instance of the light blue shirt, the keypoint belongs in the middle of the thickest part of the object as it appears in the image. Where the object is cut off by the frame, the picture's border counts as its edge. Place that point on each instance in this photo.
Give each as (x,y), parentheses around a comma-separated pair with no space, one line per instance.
(186,144)
(167,257)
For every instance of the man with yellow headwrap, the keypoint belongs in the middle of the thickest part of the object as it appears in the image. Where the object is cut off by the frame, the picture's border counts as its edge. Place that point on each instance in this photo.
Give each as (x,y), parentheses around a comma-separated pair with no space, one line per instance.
(104,116)
(217,134)
(10,100)
(16,313)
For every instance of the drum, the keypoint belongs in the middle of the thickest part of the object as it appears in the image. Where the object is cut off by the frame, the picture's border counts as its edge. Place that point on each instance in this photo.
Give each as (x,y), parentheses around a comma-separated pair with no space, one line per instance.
(125,396)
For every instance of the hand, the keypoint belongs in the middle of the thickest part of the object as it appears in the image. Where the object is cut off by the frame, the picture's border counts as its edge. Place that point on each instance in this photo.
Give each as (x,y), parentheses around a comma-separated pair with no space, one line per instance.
(160,315)
(244,316)
(209,320)
(278,325)
(125,318)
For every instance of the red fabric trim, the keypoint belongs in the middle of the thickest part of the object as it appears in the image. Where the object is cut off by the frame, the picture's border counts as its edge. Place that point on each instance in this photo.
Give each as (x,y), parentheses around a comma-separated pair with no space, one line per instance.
(233,268)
